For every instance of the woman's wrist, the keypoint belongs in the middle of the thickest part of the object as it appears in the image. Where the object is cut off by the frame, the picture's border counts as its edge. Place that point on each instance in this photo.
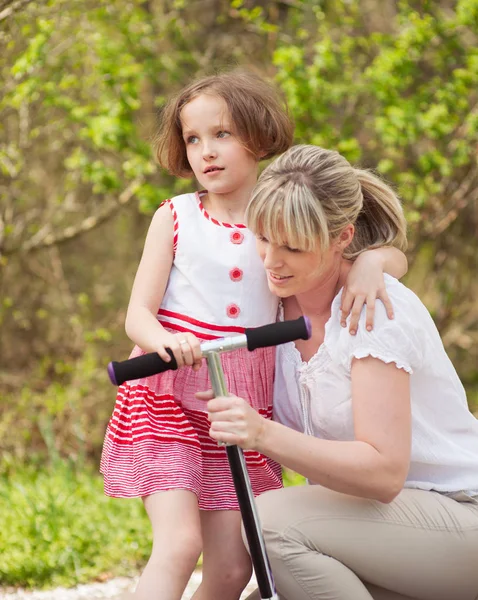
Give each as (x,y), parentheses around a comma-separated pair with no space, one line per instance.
(263,436)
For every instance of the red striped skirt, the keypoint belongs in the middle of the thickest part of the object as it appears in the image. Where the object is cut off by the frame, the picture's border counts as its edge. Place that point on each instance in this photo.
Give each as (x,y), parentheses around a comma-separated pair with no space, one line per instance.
(158,436)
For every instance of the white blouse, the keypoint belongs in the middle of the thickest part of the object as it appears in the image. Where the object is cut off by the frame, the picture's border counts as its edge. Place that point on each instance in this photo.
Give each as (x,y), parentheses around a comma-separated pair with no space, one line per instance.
(315,397)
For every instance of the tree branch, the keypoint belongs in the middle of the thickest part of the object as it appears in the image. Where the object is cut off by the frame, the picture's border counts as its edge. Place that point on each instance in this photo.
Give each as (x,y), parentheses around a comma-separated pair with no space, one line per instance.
(8,8)
(45,239)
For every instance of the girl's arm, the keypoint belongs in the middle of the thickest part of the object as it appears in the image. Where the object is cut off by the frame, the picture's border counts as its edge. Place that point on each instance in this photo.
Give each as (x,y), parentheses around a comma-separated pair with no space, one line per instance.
(374,465)
(365,283)
(150,282)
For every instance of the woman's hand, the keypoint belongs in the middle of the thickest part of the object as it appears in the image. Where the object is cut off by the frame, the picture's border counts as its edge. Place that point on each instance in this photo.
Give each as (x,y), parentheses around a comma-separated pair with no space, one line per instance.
(185,347)
(233,420)
(365,283)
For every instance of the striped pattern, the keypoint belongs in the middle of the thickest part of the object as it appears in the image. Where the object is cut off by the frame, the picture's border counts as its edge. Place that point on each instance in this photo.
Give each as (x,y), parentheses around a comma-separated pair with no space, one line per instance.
(158,436)
(207,331)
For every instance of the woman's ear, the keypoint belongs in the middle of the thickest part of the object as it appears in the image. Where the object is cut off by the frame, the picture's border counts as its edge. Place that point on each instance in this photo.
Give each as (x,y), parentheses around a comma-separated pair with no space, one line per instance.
(346,236)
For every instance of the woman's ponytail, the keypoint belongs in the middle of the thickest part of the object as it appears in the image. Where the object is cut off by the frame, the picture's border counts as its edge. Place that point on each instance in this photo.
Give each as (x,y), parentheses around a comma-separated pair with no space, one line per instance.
(381,221)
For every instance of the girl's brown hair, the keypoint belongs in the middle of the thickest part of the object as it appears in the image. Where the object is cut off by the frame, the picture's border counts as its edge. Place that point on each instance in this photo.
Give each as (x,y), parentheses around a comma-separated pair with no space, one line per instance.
(258,113)
(308,195)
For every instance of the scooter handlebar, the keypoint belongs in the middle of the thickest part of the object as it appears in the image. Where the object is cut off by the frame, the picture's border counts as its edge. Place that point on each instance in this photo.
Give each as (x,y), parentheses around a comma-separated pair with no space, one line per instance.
(257,337)
(278,333)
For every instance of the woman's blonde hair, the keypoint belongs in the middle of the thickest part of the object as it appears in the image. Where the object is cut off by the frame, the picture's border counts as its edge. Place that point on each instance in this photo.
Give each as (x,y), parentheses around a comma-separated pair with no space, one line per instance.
(310,194)
(259,114)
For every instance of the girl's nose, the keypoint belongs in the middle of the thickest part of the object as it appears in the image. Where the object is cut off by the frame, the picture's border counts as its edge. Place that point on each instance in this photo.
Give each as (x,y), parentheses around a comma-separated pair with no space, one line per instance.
(209,151)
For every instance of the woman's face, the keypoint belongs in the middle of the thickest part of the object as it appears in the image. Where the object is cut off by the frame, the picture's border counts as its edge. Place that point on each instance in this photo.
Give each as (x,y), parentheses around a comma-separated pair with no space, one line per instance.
(291,272)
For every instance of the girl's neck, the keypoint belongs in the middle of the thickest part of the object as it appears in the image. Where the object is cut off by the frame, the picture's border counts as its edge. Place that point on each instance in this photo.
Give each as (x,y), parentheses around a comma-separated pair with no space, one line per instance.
(230,207)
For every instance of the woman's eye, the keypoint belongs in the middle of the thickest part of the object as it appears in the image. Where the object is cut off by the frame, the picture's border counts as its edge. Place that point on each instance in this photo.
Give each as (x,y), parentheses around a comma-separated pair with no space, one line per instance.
(292,249)
(223,134)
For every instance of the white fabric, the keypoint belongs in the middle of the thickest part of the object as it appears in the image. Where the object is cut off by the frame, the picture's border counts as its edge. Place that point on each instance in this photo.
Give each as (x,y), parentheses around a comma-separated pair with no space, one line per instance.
(200,285)
(315,397)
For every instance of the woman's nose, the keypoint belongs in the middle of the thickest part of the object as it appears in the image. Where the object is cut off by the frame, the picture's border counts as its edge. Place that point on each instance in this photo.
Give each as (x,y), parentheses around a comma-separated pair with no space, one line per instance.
(272,258)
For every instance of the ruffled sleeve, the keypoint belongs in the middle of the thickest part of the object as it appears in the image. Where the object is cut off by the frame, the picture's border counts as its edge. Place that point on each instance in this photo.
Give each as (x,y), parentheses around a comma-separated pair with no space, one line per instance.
(397,340)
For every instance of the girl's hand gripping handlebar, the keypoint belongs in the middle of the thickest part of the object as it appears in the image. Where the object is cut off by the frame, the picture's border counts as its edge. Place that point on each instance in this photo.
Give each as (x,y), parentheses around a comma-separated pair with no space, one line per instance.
(257,337)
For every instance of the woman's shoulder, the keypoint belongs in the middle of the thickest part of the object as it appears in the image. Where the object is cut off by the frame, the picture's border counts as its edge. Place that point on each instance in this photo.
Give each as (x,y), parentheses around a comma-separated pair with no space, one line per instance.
(407,306)
(400,339)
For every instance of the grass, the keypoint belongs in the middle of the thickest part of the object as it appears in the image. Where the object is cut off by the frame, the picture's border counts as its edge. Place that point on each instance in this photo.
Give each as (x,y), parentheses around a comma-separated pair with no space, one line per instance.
(58,529)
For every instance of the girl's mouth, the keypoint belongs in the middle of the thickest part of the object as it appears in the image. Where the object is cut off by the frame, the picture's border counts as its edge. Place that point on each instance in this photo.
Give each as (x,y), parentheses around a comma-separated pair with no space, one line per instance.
(213,169)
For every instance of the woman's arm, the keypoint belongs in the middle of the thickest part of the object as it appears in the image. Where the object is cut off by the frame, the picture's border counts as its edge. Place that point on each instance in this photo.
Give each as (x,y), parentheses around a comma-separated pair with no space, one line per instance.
(365,284)
(375,465)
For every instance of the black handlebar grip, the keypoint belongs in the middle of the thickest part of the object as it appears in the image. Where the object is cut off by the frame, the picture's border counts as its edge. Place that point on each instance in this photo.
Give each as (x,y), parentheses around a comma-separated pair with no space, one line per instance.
(141,366)
(278,333)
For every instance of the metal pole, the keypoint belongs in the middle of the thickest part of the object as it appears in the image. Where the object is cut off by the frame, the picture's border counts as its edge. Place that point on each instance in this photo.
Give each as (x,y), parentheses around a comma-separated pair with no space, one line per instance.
(242,484)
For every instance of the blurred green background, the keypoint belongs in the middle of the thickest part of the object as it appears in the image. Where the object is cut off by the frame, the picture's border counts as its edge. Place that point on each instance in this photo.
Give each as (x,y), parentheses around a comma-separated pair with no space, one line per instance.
(390,84)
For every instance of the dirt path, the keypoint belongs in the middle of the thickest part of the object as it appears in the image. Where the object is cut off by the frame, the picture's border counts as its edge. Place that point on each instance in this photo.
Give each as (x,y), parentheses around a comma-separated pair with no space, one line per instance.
(113,589)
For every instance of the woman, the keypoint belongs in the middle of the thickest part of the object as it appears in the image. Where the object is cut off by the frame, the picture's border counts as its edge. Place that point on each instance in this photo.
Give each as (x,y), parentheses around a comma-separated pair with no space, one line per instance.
(378,421)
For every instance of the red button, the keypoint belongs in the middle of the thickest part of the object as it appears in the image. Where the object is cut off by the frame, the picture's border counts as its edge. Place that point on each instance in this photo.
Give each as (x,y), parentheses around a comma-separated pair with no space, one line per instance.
(235,274)
(237,237)
(233,311)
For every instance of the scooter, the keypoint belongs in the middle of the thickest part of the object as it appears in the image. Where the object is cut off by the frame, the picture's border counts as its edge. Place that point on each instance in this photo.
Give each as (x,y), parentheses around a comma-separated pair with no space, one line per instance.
(258,337)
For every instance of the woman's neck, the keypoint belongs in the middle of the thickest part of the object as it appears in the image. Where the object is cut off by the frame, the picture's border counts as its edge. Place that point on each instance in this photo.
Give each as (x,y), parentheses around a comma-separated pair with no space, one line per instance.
(316,303)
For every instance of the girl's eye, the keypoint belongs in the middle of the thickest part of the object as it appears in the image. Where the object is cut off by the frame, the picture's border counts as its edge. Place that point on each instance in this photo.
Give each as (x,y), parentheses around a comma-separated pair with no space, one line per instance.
(223,134)
(192,139)
(261,238)
(292,249)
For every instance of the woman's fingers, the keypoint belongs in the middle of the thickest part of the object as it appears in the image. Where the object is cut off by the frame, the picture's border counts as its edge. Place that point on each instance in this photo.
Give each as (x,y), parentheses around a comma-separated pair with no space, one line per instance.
(206,395)
(226,408)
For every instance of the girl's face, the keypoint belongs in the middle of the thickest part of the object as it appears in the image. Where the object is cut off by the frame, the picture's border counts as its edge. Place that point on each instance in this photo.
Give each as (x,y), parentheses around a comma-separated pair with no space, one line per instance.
(219,160)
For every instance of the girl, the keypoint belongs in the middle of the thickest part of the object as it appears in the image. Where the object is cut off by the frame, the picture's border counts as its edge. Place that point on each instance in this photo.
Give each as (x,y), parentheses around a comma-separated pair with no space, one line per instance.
(200,267)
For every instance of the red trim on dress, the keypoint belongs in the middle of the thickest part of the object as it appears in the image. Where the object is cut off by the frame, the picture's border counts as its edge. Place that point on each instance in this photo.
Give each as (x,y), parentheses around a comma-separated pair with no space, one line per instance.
(200,334)
(203,324)
(215,221)
(175,225)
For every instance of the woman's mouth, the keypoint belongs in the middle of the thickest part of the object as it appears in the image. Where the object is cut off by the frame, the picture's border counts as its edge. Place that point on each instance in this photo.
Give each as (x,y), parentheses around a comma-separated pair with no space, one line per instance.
(278,279)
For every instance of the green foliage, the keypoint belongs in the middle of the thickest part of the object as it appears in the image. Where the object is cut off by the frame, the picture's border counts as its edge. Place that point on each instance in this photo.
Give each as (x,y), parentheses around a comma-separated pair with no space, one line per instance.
(57,528)
(402,98)
(291,479)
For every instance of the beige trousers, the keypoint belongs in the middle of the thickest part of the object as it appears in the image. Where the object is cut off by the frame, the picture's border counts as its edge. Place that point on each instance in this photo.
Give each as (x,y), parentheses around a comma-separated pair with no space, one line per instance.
(330,546)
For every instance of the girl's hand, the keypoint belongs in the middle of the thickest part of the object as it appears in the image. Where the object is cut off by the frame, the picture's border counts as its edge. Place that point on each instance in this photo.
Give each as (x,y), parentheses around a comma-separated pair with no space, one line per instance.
(185,347)
(233,420)
(365,283)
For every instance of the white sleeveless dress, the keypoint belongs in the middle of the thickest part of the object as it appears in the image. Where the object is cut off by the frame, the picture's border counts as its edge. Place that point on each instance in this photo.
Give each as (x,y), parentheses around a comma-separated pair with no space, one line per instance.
(157,438)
